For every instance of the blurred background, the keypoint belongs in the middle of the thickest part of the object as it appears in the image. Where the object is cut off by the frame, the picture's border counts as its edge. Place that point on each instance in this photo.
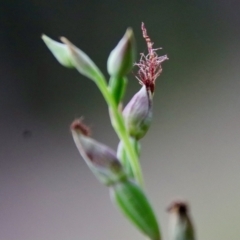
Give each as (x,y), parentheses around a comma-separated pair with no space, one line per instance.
(192,150)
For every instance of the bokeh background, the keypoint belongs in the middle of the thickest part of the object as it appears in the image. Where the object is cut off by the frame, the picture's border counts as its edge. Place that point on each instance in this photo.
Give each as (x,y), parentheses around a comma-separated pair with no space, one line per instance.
(192,150)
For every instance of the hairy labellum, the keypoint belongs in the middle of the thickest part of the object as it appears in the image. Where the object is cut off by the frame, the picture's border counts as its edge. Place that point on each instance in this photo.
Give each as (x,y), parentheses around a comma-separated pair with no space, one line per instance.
(138,112)
(150,65)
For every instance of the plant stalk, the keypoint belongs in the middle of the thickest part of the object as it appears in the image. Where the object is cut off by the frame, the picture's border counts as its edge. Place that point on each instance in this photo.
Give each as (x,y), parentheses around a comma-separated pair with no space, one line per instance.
(119,127)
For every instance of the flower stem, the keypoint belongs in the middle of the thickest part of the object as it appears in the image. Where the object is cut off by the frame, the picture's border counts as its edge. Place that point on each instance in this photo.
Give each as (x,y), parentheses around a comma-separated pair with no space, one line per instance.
(119,127)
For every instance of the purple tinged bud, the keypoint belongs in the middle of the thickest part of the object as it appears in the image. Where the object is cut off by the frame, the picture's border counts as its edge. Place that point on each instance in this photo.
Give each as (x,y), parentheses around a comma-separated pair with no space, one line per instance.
(101,159)
(122,57)
(138,113)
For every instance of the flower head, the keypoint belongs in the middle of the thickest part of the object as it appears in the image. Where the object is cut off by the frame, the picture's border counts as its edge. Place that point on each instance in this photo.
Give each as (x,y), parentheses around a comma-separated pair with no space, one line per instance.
(138,112)
(149,65)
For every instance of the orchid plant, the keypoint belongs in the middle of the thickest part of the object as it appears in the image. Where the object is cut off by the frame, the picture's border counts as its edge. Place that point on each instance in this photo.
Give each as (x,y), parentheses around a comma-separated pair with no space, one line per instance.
(119,170)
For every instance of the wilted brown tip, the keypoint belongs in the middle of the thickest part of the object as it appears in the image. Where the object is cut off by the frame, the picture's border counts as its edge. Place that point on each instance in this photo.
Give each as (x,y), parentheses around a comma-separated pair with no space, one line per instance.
(178,206)
(78,126)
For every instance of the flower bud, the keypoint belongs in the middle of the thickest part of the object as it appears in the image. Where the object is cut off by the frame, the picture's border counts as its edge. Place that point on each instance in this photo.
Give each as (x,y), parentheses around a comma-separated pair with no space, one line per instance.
(122,57)
(133,203)
(180,222)
(59,50)
(138,113)
(101,159)
(82,62)
(70,56)
(123,156)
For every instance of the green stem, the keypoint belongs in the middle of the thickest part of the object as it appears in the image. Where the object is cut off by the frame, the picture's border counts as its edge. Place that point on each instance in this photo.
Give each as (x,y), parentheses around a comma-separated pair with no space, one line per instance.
(119,126)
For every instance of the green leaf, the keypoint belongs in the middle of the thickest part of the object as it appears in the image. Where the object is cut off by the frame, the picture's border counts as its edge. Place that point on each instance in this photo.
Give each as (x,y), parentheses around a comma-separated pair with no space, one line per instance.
(133,203)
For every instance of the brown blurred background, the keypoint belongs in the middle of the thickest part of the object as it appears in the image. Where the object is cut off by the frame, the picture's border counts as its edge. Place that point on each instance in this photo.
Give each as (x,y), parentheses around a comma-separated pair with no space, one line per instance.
(192,150)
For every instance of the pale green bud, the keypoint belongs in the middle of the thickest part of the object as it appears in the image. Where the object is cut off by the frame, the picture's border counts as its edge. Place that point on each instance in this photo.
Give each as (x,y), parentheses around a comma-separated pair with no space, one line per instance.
(133,203)
(60,51)
(138,113)
(70,56)
(123,156)
(101,159)
(122,57)
(82,62)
